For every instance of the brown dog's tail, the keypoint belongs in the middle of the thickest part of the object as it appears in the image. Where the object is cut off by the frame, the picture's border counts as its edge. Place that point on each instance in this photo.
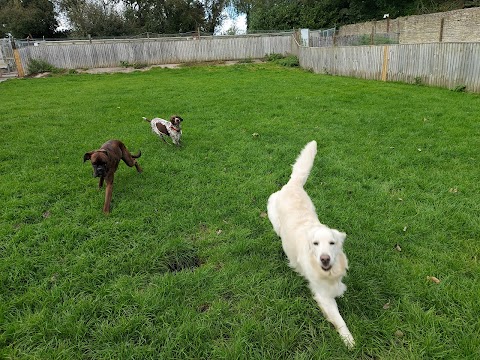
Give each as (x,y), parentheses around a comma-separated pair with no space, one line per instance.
(137,155)
(144,118)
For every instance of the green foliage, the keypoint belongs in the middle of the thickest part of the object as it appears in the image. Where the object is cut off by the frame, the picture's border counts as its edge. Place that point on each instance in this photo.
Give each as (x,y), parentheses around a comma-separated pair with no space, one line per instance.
(95,18)
(460,88)
(142,16)
(35,18)
(37,66)
(377,40)
(140,65)
(288,61)
(135,65)
(246,61)
(274,57)
(187,266)
(313,14)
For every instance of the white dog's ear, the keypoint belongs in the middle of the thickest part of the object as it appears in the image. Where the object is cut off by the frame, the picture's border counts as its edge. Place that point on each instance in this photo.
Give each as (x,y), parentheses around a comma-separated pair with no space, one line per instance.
(339,236)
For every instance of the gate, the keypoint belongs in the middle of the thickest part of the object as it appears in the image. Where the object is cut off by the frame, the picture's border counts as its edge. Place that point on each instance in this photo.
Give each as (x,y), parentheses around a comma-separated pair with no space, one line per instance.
(7,60)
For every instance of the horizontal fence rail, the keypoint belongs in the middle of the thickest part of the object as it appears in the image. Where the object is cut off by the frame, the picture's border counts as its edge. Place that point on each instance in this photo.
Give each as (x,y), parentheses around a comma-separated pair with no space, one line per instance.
(86,54)
(449,65)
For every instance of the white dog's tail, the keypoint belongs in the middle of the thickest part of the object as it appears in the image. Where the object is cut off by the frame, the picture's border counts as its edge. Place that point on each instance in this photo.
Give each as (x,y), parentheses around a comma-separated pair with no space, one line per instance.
(144,118)
(303,165)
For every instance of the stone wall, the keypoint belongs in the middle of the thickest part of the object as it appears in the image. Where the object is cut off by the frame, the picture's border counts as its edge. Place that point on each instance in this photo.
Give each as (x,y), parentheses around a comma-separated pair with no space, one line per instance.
(451,26)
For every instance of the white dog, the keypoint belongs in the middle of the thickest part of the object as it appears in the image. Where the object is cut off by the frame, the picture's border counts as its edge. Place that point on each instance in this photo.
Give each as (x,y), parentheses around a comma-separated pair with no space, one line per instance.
(313,249)
(171,128)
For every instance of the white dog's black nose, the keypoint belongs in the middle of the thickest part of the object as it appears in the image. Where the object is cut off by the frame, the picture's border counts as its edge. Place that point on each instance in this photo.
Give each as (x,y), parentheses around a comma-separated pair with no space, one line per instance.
(325,259)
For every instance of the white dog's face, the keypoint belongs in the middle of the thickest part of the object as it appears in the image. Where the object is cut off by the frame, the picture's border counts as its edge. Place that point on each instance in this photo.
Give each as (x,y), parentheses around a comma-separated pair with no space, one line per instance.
(326,246)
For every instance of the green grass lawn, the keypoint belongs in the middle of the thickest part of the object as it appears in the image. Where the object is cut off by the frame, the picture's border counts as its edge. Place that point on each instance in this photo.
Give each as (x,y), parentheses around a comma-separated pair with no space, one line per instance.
(187,265)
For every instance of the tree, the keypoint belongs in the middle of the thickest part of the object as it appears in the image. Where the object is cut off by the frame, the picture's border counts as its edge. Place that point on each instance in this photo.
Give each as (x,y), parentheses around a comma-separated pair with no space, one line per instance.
(122,17)
(317,14)
(213,13)
(94,17)
(242,7)
(164,16)
(34,18)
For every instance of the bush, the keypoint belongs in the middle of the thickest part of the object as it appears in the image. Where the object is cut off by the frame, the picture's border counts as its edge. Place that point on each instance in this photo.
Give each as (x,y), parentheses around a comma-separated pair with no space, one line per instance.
(288,61)
(273,57)
(139,65)
(245,61)
(135,65)
(460,88)
(40,66)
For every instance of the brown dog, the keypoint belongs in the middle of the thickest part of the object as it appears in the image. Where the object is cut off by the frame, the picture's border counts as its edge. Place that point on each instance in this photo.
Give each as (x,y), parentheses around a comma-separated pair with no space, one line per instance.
(105,162)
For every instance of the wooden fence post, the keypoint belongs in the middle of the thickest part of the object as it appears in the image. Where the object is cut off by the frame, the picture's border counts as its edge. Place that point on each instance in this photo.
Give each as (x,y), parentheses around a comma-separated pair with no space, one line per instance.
(18,60)
(385,64)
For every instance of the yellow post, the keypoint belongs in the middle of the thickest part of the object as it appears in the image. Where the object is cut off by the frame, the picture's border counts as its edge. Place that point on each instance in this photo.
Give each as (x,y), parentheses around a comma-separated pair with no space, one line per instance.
(385,63)
(18,63)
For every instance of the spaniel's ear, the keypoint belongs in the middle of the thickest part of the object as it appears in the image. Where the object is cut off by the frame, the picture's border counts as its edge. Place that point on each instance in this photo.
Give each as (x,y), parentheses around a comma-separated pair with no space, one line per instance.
(339,236)
(87,156)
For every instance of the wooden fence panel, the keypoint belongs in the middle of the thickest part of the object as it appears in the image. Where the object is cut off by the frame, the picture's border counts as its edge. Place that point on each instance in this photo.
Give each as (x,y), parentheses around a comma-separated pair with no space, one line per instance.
(448,65)
(154,51)
(357,61)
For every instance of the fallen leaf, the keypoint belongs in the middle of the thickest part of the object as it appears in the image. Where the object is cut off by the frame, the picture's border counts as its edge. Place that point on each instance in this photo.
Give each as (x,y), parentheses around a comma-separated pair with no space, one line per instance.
(405,228)
(219,231)
(419,149)
(399,333)
(453,190)
(386,306)
(433,279)
(46,214)
(397,247)
(263,214)
(255,134)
